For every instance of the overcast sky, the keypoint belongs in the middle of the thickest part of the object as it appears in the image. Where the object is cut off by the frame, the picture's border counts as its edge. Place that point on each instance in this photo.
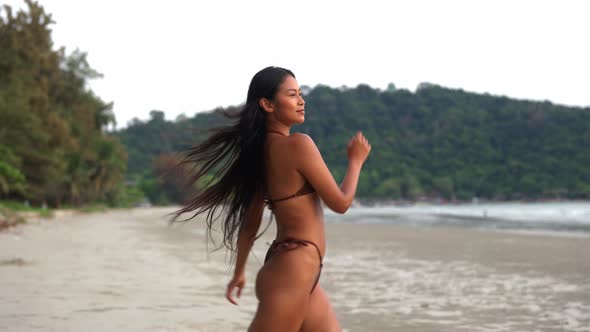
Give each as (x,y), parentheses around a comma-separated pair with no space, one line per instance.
(192,56)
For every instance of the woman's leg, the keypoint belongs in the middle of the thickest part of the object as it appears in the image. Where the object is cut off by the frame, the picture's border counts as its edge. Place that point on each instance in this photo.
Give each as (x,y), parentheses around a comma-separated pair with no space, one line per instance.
(282,287)
(320,316)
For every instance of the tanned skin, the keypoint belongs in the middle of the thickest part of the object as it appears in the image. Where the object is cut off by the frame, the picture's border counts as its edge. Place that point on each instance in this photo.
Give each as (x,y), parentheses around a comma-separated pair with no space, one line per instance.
(283,284)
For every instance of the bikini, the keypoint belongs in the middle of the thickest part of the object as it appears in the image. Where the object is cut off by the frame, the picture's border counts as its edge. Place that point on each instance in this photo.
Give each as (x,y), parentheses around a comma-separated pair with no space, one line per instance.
(288,244)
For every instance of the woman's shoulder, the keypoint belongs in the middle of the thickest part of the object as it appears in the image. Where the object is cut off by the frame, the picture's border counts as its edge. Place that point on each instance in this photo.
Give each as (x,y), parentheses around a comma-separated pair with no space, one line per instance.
(302,145)
(300,139)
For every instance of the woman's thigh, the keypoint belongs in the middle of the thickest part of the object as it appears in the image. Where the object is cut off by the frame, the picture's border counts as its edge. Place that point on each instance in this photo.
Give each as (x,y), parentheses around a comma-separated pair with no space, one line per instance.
(320,316)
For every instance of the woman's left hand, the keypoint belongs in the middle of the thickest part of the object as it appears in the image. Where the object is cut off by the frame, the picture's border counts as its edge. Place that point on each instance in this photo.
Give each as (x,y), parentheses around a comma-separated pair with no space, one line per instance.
(237,282)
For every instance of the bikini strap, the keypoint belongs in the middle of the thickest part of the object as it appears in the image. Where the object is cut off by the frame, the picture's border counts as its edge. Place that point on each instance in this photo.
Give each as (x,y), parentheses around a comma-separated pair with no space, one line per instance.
(304,190)
(301,242)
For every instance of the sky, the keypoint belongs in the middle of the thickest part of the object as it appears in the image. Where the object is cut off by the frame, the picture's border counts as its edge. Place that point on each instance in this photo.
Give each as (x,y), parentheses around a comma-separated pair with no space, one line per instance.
(184,57)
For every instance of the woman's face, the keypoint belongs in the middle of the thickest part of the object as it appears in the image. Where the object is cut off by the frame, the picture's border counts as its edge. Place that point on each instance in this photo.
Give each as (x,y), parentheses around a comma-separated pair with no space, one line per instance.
(288,103)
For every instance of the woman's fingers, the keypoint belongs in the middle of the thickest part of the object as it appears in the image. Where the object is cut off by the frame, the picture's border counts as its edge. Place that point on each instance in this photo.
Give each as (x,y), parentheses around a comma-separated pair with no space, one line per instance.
(360,138)
(229,295)
(235,283)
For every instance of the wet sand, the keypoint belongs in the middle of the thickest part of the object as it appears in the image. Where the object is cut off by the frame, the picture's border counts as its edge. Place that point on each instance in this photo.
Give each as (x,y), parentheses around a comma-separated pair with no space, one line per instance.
(125,270)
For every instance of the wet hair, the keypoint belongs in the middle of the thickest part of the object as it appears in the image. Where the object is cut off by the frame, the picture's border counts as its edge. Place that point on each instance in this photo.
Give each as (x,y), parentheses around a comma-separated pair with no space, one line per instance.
(235,152)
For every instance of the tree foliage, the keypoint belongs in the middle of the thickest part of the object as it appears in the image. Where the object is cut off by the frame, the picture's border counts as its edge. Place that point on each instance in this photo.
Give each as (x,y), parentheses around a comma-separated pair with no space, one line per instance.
(54,145)
(437,143)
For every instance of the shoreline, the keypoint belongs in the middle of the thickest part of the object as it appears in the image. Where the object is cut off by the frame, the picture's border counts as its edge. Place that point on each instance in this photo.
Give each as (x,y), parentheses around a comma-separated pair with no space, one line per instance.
(23,217)
(368,202)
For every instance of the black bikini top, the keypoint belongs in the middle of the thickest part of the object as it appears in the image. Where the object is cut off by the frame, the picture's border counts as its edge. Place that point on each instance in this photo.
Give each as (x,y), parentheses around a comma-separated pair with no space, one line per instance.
(305,189)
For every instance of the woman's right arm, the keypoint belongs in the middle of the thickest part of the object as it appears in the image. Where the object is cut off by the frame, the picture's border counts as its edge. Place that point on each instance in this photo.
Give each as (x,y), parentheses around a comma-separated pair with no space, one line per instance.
(312,166)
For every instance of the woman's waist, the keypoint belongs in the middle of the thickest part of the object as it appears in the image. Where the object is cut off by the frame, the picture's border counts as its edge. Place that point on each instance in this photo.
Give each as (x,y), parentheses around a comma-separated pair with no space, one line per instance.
(303,217)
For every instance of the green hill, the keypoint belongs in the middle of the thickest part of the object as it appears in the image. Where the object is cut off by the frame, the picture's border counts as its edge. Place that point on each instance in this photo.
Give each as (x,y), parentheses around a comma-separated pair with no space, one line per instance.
(436,143)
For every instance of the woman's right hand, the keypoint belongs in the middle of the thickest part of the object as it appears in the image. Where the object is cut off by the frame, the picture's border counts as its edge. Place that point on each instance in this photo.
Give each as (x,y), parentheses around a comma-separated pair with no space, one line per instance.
(358,148)
(238,283)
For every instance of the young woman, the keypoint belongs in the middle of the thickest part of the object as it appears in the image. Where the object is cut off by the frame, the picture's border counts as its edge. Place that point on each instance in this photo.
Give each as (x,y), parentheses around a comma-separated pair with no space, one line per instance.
(260,163)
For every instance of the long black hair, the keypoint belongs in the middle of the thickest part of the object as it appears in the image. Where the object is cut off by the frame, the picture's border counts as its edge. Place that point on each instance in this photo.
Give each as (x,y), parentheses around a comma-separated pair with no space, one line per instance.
(236,152)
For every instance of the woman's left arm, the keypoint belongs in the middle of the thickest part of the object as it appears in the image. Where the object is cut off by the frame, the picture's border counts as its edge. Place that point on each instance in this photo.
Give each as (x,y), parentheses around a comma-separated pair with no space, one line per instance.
(246,237)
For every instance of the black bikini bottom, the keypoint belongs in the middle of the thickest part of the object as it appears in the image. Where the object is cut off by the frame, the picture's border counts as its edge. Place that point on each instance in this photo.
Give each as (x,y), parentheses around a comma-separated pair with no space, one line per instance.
(284,245)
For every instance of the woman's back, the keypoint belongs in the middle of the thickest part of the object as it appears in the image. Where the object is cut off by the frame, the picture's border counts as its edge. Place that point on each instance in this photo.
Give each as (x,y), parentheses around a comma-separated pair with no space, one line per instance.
(300,216)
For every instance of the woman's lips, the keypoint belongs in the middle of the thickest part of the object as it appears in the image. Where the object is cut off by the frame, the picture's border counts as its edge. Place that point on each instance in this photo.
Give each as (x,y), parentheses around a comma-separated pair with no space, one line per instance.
(301,111)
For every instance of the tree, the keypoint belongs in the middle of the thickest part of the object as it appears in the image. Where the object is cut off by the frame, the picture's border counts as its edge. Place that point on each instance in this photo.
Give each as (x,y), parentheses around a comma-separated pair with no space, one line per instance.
(53,126)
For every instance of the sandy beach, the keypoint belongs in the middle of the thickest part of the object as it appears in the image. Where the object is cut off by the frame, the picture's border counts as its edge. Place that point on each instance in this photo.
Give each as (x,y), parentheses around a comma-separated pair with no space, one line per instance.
(126,270)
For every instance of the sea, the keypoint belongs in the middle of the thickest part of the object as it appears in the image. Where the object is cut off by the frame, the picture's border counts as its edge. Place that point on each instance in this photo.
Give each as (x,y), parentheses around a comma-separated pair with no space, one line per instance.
(548,218)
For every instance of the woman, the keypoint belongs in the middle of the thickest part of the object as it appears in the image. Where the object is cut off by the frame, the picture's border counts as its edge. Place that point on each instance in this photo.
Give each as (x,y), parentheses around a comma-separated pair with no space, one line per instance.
(260,163)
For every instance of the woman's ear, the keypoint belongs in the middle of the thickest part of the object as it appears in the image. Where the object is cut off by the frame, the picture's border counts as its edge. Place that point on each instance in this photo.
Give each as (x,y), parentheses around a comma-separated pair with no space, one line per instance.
(266,105)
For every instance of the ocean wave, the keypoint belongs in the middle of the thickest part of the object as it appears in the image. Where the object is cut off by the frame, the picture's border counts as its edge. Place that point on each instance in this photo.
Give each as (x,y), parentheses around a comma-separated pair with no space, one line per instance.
(570,217)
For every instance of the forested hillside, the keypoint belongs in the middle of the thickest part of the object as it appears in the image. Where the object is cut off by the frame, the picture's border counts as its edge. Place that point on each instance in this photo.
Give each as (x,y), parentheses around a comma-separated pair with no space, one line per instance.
(436,143)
